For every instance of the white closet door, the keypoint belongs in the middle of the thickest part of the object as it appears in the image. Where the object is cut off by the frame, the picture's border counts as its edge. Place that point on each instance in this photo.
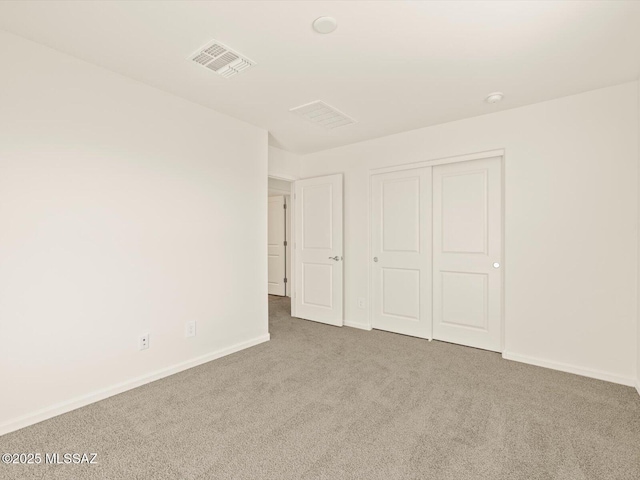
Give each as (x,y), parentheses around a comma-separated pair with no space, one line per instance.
(276,239)
(467,241)
(401,250)
(318,249)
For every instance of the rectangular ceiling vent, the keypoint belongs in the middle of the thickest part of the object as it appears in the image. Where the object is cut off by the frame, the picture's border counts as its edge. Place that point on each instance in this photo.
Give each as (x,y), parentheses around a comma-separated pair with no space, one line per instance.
(221,59)
(320,113)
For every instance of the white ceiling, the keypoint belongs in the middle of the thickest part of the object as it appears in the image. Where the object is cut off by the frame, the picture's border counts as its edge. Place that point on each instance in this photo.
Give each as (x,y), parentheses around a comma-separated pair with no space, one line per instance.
(392,65)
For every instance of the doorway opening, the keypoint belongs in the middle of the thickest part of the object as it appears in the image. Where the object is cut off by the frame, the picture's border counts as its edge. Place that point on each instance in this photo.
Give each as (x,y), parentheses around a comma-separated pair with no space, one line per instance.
(305,243)
(279,237)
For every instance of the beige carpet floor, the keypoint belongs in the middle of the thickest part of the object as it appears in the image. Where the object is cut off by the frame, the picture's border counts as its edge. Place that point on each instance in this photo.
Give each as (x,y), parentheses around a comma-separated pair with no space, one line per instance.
(321,402)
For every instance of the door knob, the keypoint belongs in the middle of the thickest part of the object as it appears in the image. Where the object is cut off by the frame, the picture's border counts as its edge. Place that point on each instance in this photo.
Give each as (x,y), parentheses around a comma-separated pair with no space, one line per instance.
(496,265)
(375,259)
(336,258)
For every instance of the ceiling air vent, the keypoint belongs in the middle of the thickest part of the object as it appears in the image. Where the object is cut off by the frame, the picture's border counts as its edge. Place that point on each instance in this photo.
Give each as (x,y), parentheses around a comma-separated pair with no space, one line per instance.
(320,113)
(221,59)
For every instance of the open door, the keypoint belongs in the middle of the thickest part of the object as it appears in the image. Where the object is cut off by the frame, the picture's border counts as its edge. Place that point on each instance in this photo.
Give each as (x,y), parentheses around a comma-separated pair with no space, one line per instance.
(277,245)
(318,249)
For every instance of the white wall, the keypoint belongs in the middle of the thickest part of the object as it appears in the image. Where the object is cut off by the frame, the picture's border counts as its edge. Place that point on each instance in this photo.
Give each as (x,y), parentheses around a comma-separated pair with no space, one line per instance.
(284,164)
(571,211)
(278,187)
(124,210)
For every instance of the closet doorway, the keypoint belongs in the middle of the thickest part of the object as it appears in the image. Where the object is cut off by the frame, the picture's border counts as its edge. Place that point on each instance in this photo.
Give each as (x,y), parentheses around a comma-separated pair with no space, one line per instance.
(436,247)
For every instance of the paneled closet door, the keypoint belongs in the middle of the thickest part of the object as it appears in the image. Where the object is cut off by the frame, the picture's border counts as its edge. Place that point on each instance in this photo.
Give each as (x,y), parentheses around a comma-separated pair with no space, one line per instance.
(467,248)
(401,251)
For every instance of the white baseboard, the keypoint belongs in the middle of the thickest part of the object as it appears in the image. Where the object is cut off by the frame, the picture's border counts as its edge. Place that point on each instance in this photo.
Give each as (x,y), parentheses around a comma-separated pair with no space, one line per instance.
(361,326)
(69,405)
(565,367)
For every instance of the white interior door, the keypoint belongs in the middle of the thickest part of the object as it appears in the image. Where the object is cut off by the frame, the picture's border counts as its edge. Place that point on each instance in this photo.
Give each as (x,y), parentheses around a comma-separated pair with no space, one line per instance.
(318,249)
(467,239)
(276,241)
(401,250)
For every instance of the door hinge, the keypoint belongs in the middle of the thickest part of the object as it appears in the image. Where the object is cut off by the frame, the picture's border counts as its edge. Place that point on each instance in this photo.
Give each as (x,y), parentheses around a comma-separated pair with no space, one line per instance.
(285,243)
(284,205)
(286,280)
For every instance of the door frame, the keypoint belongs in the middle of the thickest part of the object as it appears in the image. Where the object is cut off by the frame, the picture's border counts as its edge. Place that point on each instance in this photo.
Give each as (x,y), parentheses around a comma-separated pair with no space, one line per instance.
(283,211)
(432,163)
(291,207)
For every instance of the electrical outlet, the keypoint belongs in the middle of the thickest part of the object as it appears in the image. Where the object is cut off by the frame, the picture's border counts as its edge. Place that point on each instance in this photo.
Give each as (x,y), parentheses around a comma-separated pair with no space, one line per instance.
(144,341)
(361,302)
(190,329)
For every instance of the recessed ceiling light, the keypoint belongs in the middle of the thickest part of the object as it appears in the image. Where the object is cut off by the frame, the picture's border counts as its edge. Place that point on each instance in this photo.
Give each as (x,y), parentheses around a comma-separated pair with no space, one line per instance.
(494,97)
(325,24)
